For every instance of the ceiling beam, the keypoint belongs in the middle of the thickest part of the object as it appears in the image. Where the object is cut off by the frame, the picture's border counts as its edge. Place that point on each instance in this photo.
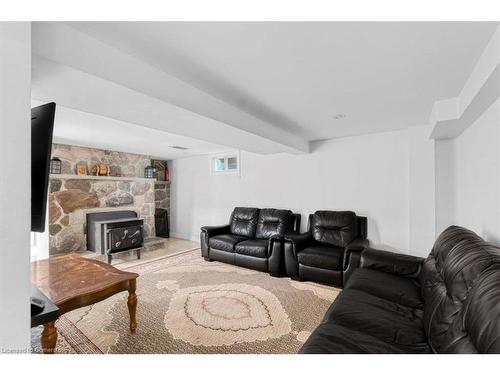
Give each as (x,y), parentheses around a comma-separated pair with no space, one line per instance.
(74,89)
(449,118)
(485,97)
(161,98)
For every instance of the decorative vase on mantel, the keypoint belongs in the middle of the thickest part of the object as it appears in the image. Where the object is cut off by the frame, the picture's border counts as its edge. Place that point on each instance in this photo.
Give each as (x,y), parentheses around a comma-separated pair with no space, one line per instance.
(82,169)
(101,170)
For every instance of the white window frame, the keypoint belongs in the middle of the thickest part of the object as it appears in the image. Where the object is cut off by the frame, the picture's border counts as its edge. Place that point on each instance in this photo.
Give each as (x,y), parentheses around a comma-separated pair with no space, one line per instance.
(225,156)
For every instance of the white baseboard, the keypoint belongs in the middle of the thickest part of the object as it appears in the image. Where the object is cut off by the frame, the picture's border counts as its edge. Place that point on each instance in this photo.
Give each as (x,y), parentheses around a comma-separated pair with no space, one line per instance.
(185,236)
(179,235)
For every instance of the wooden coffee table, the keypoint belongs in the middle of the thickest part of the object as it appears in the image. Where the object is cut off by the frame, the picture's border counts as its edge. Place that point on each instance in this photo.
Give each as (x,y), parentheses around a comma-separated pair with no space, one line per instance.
(72,281)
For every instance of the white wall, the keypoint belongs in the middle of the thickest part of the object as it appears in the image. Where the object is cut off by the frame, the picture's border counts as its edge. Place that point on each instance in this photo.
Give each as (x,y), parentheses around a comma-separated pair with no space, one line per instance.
(477,175)
(409,186)
(40,243)
(15,151)
(467,162)
(468,173)
(422,210)
(368,174)
(445,184)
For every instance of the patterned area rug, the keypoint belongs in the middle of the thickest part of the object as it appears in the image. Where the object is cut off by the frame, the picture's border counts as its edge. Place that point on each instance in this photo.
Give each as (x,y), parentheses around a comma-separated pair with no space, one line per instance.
(187,305)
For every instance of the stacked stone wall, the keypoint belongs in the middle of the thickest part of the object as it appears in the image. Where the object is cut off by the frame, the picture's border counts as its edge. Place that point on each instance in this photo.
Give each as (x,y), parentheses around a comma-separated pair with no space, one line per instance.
(72,197)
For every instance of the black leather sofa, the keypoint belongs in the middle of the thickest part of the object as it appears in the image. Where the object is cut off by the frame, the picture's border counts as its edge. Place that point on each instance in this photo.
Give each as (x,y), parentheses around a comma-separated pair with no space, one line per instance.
(253,238)
(320,253)
(393,303)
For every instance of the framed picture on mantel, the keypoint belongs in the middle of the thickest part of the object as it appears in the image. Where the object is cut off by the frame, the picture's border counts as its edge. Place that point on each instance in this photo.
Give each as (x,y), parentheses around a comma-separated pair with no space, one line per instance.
(81,169)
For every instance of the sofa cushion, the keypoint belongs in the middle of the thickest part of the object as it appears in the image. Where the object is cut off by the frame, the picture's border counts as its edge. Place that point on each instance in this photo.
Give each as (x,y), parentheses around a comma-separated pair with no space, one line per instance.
(254,248)
(450,276)
(336,228)
(386,320)
(243,221)
(333,338)
(404,291)
(327,257)
(272,221)
(225,242)
(480,318)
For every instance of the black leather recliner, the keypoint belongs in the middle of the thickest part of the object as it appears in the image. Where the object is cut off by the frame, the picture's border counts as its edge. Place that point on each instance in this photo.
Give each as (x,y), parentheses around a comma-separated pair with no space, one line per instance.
(253,238)
(394,303)
(320,253)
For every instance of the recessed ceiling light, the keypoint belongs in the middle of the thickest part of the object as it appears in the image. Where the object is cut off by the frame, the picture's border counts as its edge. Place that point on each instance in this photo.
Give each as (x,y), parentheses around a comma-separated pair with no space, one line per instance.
(339,116)
(179,147)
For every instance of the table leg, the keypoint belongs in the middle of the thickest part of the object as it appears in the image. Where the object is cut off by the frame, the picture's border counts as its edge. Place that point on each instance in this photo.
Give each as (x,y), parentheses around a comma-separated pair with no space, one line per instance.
(132,305)
(49,338)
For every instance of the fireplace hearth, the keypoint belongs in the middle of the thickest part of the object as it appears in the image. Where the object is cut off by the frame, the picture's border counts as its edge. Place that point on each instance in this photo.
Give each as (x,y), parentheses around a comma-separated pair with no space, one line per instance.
(111,232)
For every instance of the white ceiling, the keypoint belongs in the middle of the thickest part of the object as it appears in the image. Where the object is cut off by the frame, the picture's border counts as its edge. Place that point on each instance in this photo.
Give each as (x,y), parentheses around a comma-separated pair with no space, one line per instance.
(298,75)
(80,72)
(280,82)
(85,129)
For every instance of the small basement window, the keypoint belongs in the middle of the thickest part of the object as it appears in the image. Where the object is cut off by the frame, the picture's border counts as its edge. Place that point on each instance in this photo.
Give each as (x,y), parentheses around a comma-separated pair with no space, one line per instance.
(223,164)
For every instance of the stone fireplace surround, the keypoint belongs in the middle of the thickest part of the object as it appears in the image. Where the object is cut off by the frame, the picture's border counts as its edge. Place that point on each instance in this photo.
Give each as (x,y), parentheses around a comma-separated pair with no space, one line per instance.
(71,196)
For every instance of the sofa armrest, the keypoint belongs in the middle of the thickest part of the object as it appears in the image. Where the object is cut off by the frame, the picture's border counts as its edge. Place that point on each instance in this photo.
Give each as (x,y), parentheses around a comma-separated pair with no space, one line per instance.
(277,237)
(275,256)
(276,240)
(215,230)
(357,244)
(389,262)
(206,233)
(352,256)
(293,243)
(299,241)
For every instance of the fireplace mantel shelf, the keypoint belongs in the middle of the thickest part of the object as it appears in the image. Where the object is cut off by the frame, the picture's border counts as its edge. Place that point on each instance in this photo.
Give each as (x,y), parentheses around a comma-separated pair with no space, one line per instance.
(90,177)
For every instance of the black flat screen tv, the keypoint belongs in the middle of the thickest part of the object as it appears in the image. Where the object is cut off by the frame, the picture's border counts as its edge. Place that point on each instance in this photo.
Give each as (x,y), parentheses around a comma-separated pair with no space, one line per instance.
(42,127)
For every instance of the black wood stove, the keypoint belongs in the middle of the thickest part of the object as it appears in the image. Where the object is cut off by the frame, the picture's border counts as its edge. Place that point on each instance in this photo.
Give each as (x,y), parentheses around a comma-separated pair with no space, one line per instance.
(114,231)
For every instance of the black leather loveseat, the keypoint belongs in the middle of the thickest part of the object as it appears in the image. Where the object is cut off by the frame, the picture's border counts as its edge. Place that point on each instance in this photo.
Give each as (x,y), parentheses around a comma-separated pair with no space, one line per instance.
(320,253)
(253,238)
(393,303)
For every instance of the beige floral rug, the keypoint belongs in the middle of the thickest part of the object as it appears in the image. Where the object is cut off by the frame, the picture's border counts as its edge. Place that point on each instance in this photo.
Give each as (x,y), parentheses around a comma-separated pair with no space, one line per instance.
(187,305)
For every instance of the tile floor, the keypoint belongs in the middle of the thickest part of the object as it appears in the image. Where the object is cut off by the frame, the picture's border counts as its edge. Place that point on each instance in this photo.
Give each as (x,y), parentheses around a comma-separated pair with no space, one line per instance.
(162,247)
